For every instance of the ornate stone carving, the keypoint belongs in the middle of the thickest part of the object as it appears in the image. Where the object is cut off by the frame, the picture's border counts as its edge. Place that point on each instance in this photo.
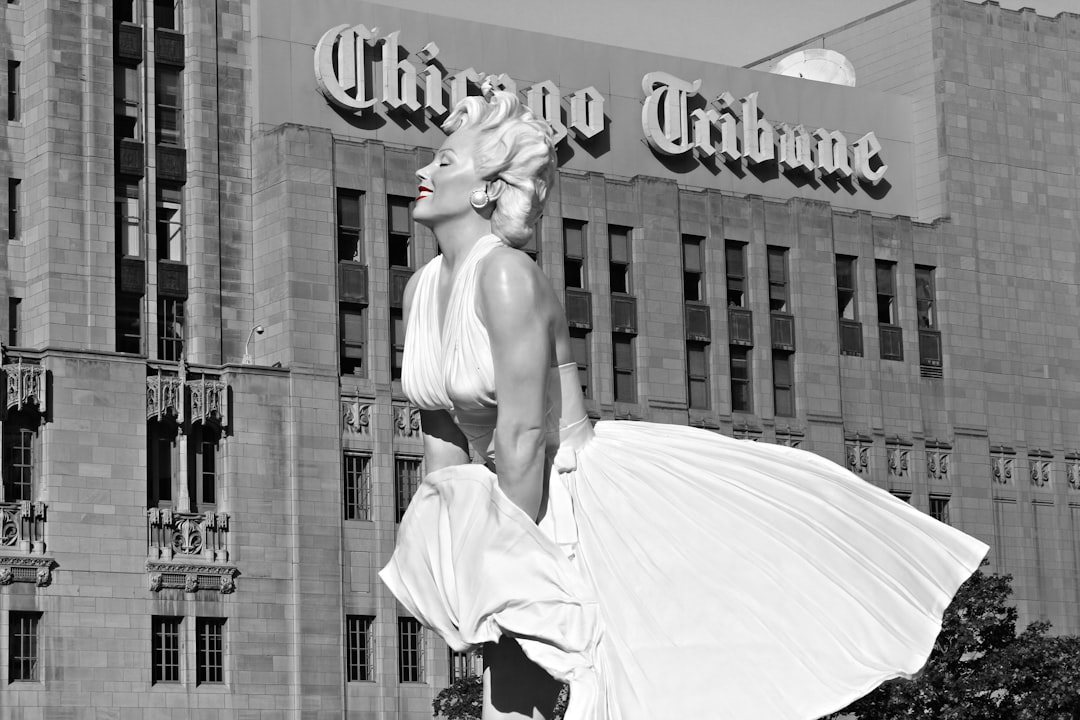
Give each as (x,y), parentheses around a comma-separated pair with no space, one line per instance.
(742,431)
(356,415)
(1072,470)
(406,421)
(209,401)
(1041,464)
(25,385)
(899,459)
(857,453)
(165,397)
(22,526)
(187,535)
(1002,464)
(191,577)
(937,464)
(789,438)
(26,569)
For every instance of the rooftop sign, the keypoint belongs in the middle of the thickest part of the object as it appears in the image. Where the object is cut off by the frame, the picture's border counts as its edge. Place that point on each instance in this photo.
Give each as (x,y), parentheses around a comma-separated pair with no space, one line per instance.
(361,71)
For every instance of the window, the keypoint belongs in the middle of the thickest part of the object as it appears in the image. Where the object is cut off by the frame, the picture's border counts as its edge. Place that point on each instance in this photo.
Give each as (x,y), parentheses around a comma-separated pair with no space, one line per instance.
(125,11)
(20,455)
(697,374)
(169,109)
(129,220)
(579,344)
(170,223)
(939,508)
(209,650)
(693,269)
(735,253)
(778,280)
(162,458)
(464,664)
(127,91)
(359,655)
(165,649)
(892,341)
(357,472)
(620,272)
(14,321)
(350,226)
(740,379)
(397,342)
(13,208)
(202,467)
(24,660)
(783,382)
(170,329)
(574,254)
(846,308)
(168,15)
(901,495)
(353,333)
(14,92)
(406,479)
(411,651)
(400,232)
(129,323)
(924,297)
(886,292)
(625,386)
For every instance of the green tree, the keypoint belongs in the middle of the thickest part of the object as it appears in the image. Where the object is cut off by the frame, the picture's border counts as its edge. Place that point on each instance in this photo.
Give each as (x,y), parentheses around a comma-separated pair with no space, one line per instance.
(981,669)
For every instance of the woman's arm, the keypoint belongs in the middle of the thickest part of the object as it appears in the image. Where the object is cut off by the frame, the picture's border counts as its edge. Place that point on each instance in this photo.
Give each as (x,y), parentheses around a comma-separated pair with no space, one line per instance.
(444,443)
(515,305)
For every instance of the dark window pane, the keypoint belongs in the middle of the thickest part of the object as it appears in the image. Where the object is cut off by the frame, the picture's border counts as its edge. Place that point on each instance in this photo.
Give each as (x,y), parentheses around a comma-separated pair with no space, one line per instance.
(575,275)
(620,278)
(165,650)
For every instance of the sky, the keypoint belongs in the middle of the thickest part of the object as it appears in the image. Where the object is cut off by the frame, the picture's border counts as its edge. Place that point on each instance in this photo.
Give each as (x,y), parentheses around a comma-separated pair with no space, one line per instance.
(729,32)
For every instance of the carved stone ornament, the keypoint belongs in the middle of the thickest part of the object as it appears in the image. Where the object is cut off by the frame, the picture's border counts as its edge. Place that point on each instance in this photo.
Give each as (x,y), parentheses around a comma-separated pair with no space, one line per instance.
(22,526)
(741,431)
(1002,464)
(25,385)
(356,416)
(209,401)
(789,438)
(898,460)
(406,421)
(26,569)
(1041,466)
(191,577)
(165,397)
(1072,470)
(857,454)
(937,464)
(172,534)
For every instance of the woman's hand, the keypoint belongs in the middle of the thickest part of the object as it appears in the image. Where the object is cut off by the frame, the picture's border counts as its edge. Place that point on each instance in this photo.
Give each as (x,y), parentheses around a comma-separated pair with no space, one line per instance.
(515,303)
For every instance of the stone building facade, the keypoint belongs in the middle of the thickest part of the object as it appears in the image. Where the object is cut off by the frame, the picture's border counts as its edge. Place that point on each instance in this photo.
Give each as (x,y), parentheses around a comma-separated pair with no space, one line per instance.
(205,446)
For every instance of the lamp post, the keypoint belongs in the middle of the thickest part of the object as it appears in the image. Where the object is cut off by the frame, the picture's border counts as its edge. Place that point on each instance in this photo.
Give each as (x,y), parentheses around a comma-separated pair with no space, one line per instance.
(247,355)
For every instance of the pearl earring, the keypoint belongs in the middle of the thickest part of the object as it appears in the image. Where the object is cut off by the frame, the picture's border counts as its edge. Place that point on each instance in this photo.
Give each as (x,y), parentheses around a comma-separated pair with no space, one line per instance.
(479,198)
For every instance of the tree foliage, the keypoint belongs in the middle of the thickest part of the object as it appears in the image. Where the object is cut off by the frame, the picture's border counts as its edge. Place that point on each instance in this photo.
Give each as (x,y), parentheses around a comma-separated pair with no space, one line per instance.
(981,669)
(463,700)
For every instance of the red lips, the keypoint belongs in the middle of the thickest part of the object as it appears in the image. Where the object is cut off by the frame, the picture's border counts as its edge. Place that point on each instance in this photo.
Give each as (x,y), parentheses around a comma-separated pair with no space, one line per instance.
(421,191)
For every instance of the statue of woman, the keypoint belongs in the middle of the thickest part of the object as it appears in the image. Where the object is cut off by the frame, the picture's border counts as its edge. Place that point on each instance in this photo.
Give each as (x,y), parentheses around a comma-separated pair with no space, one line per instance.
(662,571)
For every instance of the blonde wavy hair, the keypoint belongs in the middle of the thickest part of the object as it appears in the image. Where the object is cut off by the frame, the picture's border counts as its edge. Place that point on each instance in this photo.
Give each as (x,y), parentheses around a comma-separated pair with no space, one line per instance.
(516,147)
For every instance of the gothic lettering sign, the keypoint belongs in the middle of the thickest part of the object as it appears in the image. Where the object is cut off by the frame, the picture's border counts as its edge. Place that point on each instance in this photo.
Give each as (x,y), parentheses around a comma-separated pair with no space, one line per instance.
(738,132)
(358,70)
(362,70)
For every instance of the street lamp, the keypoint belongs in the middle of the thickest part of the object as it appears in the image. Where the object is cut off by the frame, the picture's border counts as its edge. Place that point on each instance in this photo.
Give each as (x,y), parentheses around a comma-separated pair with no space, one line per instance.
(247,355)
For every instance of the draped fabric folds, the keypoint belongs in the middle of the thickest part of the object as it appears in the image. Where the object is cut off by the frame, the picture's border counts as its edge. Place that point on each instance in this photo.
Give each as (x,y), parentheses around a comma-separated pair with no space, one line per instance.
(680,573)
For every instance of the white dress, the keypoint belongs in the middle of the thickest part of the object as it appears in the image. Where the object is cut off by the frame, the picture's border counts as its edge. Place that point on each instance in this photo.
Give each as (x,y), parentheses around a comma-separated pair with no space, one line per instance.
(679,573)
